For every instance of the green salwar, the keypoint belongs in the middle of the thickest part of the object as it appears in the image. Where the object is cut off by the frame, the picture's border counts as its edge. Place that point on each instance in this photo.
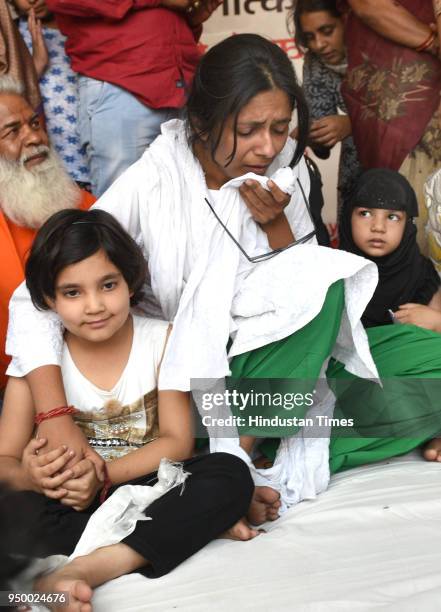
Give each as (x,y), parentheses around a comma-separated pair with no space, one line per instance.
(299,356)
(399,416)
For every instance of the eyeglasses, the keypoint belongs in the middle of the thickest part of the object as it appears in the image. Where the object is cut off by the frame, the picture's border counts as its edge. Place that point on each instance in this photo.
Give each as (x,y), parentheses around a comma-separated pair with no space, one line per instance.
(270,254)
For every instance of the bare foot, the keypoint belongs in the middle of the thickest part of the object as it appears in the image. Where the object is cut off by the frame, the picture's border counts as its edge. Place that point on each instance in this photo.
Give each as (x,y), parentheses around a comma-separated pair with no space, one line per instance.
(432,450)
(71,581)
(264,506)
(240,531)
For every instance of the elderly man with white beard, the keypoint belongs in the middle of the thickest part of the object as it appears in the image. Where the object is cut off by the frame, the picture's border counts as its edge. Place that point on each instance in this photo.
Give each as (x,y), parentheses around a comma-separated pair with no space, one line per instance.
(33,186)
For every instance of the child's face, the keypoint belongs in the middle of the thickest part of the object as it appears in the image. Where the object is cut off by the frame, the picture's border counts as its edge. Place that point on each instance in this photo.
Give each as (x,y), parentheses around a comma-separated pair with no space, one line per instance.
(377,232)
(92,298)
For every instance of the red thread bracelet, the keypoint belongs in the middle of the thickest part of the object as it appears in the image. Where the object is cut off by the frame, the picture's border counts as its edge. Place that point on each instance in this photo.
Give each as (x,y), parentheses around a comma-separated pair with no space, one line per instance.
(56,412)
(106,486)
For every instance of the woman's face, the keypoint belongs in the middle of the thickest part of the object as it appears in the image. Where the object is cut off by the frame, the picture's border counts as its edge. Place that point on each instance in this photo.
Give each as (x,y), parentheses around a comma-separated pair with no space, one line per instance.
(262,131)
(376,231)
(323,34)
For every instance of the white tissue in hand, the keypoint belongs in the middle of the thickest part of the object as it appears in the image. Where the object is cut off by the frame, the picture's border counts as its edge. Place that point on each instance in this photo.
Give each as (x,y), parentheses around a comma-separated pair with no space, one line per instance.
(284,179)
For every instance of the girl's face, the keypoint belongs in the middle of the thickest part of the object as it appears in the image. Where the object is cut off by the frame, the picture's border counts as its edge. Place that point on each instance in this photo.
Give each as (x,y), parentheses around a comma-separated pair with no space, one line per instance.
(376,231)
(323,34)
(92,298)
(262,131)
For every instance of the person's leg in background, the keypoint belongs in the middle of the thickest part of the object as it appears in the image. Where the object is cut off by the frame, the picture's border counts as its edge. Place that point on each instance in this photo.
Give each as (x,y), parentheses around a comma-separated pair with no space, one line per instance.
(115,128)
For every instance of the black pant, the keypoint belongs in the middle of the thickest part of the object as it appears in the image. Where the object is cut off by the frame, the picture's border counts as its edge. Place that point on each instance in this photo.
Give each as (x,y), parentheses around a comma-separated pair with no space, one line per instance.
(215,496)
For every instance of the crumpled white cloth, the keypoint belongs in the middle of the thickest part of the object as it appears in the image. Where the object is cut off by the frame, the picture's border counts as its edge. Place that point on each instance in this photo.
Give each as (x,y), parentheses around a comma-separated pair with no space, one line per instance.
(116,518)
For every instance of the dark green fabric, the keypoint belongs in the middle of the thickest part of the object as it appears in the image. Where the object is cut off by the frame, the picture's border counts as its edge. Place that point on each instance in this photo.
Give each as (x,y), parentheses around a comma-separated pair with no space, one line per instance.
(401,415)
(299,356)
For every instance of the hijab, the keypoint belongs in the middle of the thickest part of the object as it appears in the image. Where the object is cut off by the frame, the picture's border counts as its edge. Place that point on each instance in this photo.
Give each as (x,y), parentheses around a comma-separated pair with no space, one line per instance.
(404,275)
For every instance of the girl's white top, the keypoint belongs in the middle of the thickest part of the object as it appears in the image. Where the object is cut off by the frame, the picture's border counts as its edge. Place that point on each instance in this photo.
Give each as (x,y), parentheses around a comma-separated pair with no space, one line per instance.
(120,420)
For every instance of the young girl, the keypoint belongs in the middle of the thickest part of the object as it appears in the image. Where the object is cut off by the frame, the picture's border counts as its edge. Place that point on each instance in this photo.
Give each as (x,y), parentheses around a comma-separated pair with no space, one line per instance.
(87,269)
(319,30)
(378,224)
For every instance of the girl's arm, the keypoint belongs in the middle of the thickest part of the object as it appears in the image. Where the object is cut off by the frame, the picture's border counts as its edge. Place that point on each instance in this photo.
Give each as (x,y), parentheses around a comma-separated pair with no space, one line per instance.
(20,467)
(391,20)
(175,440)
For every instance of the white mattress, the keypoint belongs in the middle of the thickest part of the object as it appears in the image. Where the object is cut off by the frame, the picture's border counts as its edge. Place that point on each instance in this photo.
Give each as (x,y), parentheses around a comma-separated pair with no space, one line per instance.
(371,542)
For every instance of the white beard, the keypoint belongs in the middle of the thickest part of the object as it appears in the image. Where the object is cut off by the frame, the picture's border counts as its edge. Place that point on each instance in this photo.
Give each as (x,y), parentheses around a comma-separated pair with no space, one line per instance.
(29,197)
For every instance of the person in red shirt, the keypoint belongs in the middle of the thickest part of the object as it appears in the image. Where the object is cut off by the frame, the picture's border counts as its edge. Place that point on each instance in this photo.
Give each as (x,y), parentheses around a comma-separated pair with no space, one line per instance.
(136,59)
(33,186)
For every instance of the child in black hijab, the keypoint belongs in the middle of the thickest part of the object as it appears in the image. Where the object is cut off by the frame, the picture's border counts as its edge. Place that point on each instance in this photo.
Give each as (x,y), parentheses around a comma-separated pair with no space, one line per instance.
(403,413)
(378,225)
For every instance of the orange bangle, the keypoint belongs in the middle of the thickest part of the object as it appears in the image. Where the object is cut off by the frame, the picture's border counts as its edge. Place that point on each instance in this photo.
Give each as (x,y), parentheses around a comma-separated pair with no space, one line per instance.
(427,43)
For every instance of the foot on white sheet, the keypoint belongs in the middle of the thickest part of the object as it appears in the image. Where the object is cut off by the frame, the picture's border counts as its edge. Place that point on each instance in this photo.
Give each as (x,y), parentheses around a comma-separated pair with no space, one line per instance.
(67,580)
(432,450)
(240,531)
(264,506)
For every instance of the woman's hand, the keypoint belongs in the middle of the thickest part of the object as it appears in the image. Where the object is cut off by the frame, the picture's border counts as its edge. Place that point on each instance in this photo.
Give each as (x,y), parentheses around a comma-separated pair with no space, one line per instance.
(264,206)
(46,471)
(420,315)
(82,487)
(330,130)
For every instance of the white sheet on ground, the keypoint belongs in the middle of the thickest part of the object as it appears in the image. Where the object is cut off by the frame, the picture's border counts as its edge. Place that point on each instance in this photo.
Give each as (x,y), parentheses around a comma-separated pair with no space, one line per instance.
(372,541)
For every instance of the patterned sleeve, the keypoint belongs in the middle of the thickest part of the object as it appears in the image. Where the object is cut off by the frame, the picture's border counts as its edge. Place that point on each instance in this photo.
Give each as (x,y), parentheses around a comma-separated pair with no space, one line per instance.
(319,87)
